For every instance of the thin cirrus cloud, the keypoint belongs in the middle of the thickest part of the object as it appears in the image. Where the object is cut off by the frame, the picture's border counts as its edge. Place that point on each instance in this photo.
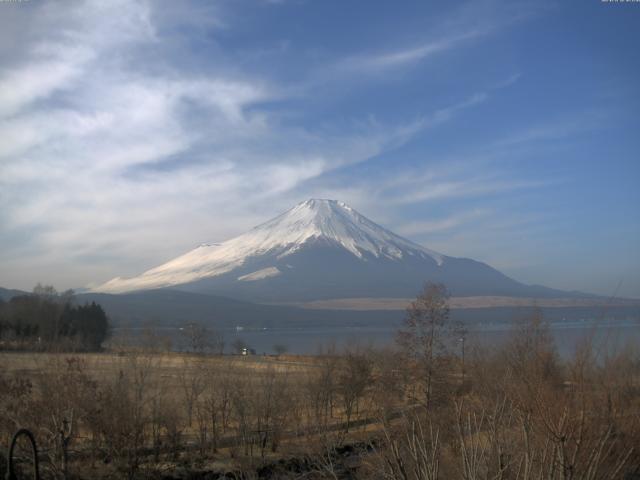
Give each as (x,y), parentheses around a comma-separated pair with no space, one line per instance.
(406,56)
(468,23)
(468,187)
(443,224)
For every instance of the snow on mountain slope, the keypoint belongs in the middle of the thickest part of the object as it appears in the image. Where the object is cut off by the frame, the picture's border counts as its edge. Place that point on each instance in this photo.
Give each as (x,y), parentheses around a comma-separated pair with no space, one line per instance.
(330,221)
(260,274)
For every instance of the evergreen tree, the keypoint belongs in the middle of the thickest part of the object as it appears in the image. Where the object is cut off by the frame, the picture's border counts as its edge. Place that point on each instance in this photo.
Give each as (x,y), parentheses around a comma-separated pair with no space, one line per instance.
(47,317)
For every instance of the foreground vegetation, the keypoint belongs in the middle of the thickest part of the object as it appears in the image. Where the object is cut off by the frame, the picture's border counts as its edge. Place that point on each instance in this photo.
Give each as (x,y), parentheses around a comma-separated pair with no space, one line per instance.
(415,412)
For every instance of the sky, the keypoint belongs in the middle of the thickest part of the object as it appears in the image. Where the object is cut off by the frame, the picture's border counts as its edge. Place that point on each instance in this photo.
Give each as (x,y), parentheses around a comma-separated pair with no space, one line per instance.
(131,131)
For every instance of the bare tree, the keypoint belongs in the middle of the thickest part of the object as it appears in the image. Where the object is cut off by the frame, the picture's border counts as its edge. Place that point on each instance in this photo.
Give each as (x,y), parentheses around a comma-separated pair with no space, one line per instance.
(197,337)
(216,342)
(280,349)
(427,329)
(65,393)
(412,451)
(320,387)
(390,381)
(353,379)
(192,382)
(216,402)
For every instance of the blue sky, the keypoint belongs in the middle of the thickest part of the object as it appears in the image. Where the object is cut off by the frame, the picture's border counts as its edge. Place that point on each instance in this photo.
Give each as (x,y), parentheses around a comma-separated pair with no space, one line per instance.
(131,131)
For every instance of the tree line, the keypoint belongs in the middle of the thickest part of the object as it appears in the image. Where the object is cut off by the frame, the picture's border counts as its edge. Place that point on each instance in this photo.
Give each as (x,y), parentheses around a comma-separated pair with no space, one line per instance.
(47,318)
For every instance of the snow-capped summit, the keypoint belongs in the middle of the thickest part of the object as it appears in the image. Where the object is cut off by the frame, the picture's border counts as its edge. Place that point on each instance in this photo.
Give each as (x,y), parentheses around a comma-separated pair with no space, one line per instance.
(330,222)
(317,249)
(335,222)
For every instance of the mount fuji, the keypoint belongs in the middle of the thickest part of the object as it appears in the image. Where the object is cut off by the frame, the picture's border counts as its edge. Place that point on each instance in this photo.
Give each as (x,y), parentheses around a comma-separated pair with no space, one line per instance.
(317,250)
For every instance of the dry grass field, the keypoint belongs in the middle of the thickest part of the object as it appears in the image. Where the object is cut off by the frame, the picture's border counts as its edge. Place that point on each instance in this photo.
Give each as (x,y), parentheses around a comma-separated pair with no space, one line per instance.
(165,364)
(222,412)
(516,412)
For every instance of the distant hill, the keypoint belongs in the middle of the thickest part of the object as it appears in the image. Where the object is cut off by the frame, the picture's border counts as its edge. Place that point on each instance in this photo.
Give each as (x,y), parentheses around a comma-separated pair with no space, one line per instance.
(167,307)
(7,294)
(172,308)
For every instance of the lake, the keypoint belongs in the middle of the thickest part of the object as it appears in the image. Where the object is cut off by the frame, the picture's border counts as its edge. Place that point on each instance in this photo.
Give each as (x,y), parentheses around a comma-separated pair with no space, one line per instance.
(607,335)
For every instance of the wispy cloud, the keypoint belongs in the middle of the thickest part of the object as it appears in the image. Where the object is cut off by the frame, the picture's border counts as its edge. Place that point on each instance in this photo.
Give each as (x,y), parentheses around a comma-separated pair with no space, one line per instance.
(458,29)
(432,190)
(408,55)
(554,129)
(443,224)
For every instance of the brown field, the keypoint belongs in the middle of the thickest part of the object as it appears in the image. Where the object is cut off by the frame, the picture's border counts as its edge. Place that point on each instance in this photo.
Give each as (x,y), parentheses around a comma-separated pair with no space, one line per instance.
(513,413)
(222,412)
(165,364)
(464,302)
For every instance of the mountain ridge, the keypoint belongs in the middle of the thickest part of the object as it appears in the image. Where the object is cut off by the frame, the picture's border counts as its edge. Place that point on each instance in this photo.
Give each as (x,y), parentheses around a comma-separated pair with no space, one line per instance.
(319,220)
(322,249)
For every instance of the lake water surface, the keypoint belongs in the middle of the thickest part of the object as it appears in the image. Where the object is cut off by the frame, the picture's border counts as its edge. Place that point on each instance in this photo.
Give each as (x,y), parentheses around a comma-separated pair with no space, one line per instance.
(606,335)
